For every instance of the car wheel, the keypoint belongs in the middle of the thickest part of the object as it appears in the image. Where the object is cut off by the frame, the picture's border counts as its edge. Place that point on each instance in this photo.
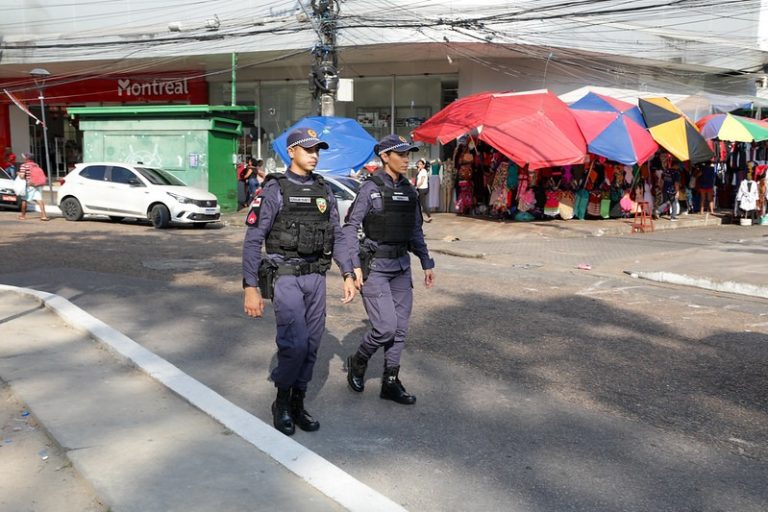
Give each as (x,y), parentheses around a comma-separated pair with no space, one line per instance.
(71,209)
(160,216)
(115,218)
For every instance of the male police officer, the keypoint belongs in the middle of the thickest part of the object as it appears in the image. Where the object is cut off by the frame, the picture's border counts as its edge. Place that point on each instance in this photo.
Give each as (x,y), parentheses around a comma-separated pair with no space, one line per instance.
(297,218)
(387,208)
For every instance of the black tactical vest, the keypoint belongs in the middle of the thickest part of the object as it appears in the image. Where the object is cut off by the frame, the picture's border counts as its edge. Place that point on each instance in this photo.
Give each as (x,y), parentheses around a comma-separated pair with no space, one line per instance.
(302,228)
(394,223)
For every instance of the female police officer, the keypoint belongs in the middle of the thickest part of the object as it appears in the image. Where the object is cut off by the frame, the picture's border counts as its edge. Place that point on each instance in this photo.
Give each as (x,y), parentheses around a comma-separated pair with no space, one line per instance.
(387,208)
(296,217)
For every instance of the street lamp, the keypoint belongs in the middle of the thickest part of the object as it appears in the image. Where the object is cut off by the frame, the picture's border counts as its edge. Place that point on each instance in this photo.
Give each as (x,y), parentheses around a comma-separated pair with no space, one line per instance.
(39,75)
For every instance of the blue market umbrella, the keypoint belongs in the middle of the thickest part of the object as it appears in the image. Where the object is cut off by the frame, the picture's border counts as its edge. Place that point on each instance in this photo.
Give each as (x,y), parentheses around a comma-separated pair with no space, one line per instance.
(351,147)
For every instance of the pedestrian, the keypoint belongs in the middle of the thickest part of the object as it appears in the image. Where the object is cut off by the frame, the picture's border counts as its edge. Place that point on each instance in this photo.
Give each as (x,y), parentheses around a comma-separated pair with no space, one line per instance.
(10,166)
(296,218)
(35,178)
(422,186)
(249,177)
(706,184)
(387,210)
(670,187)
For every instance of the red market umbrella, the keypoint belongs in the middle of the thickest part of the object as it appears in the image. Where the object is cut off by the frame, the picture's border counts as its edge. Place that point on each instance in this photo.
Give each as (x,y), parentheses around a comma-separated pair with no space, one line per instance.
(460,117)
(531,128)
(614,129)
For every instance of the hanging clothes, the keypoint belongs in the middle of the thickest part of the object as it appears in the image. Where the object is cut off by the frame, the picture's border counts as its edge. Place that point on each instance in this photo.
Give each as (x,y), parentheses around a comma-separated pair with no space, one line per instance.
(747,195)
(499,190)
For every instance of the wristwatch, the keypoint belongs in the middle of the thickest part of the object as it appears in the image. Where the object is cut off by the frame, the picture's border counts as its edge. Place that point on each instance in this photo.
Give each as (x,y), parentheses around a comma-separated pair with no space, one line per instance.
(348,274)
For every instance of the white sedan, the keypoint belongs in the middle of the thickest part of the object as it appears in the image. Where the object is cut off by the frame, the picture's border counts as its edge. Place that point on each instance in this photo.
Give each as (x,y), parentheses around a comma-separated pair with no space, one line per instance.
(345,189)
(120,190)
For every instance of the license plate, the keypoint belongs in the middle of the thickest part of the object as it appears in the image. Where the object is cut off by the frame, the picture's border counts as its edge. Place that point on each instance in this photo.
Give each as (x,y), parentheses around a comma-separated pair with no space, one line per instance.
(9,198)
(210,211)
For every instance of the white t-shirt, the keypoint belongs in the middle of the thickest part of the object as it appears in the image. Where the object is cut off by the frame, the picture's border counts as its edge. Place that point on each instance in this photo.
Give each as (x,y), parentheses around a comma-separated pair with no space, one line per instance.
(425,184)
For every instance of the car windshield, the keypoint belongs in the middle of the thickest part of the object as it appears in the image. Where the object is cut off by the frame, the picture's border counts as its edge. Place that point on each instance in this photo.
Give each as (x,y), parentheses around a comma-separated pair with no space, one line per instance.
(4,175)
(351,183)
(159,176)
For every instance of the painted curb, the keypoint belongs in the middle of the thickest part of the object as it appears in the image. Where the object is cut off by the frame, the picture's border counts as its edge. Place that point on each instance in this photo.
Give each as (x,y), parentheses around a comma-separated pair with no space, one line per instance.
(705,283)
(315,470)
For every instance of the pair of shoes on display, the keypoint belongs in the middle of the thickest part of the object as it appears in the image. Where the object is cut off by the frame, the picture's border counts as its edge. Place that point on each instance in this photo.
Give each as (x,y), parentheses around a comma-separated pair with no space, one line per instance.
(288,412)
(391,387)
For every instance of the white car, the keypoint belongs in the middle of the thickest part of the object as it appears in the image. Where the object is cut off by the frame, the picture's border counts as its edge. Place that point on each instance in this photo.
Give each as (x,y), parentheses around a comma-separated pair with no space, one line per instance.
(7,196)
(345,190)
(124,190)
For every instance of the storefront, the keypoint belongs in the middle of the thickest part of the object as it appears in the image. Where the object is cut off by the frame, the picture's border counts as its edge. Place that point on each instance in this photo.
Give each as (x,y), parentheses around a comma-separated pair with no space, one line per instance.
(382,105)
(22,133)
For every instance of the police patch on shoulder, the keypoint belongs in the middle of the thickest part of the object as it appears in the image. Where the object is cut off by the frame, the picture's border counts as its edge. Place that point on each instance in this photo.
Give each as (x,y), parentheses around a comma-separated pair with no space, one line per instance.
(375,195)
(253,214)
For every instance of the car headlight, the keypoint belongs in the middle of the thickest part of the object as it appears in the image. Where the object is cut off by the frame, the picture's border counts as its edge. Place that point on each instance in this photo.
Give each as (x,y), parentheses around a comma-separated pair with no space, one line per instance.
(180,199)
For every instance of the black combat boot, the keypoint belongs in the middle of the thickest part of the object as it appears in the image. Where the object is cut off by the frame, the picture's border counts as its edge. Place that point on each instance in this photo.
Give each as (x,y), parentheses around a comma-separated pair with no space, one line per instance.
(356,366)
(281,412)
(392,388)
(301,417)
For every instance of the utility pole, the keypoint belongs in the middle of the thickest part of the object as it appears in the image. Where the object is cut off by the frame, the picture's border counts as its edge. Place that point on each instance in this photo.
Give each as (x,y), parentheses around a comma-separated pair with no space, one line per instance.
(324,78)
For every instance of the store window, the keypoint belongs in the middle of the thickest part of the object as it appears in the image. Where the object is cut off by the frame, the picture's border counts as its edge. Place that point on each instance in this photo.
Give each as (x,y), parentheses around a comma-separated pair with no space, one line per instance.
(282,103)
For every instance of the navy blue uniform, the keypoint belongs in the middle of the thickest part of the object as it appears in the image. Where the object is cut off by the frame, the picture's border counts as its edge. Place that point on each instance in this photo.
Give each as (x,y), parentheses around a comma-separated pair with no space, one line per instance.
(388,291)
(299,301)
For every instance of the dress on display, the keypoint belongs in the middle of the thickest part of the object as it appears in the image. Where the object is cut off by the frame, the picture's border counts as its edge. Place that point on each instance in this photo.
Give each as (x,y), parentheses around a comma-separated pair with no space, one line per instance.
(499,194)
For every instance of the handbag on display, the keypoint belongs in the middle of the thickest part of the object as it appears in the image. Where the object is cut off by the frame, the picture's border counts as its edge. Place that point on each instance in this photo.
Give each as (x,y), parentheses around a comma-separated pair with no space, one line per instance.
(565,207)
(605,206)
(593,205)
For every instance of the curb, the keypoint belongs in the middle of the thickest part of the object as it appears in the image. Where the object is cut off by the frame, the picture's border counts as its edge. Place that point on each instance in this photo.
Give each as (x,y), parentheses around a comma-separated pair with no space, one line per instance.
(310,467)
(704,283)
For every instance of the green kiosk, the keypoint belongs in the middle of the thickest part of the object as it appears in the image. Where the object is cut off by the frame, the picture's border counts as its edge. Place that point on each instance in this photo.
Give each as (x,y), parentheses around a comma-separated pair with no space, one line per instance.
(196,143)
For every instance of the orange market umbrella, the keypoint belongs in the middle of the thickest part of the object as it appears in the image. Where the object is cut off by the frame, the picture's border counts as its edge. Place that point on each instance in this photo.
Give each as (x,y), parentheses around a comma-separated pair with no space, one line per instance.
(531,128)
(673,131)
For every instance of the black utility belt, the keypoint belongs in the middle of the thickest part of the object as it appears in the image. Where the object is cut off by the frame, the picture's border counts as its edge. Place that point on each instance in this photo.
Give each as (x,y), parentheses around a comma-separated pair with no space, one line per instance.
(391,251)
(301,269)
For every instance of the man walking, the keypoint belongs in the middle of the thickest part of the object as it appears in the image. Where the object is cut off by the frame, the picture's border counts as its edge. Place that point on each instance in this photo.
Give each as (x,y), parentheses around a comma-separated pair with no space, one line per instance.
(296,217)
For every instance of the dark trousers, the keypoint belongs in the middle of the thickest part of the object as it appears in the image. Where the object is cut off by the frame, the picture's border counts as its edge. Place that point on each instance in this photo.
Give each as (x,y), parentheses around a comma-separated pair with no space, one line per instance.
(299,305)
(423,200)
(388,300)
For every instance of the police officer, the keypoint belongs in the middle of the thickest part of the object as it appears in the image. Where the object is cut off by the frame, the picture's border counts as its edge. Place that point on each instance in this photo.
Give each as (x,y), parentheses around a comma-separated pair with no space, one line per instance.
(297,219)
(387,208)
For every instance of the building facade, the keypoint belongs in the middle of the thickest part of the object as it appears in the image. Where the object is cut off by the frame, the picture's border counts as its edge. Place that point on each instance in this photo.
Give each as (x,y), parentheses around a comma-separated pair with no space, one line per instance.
(406,60)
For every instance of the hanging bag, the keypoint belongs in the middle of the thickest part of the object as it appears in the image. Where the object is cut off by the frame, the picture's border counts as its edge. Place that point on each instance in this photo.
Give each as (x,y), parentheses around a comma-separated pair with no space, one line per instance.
(20,186)
(605,206)
(565,207)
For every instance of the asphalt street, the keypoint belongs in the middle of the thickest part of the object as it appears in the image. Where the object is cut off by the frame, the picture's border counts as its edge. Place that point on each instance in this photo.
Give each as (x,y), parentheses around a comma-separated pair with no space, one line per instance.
(541,386)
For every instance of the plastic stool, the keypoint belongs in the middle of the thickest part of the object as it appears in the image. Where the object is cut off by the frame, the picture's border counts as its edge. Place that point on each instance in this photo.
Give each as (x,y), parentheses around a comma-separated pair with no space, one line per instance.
(643,220)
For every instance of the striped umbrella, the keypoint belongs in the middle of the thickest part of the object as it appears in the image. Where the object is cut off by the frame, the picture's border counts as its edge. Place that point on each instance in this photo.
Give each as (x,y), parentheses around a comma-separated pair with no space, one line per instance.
(733,128)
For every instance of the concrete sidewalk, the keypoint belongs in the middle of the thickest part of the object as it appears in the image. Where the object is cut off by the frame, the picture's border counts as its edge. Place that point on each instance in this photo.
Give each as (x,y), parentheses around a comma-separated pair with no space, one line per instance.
(148,437)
